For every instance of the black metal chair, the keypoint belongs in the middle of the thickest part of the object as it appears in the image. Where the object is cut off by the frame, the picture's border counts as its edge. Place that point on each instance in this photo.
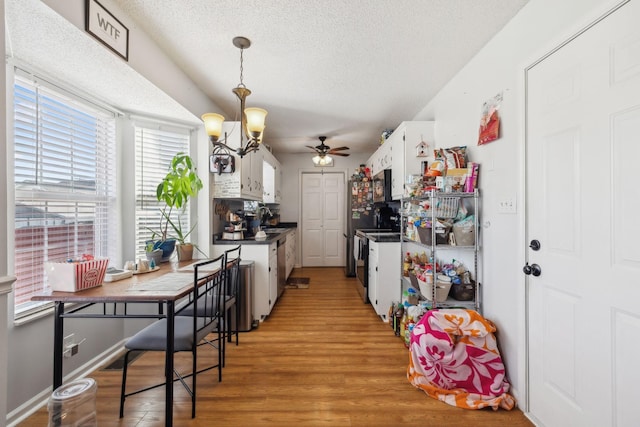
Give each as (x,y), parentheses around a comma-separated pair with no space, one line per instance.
(226,301)
(189,331)
(232,293)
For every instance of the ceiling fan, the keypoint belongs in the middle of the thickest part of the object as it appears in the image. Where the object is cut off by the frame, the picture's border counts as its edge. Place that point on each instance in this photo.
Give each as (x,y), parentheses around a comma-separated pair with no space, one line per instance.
(323,149)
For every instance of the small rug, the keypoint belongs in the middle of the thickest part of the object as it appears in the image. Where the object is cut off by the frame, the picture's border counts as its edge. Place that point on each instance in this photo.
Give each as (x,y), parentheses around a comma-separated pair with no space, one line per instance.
(118,364)
(297,283)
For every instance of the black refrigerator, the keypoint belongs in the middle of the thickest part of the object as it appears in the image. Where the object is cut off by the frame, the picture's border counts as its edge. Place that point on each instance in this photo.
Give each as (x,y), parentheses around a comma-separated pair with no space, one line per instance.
(360,213)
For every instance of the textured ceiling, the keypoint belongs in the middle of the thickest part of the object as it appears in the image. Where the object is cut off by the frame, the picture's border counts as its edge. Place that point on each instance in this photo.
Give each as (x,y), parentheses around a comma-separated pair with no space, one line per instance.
(343,68)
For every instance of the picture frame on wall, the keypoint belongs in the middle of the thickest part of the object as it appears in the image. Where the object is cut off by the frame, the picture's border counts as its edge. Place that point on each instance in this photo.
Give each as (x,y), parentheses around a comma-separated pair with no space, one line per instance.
(106,28)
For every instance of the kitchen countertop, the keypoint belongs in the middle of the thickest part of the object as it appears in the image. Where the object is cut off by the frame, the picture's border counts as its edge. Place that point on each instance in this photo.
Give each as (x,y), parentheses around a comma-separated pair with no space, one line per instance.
(274,234)
(383,237)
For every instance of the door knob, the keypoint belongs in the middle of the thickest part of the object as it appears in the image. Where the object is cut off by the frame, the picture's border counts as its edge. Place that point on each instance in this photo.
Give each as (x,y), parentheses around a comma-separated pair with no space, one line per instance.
(535,245)
(532,269)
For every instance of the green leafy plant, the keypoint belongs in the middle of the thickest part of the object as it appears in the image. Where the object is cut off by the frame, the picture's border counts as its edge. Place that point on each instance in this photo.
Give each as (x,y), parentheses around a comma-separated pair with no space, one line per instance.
(180,184)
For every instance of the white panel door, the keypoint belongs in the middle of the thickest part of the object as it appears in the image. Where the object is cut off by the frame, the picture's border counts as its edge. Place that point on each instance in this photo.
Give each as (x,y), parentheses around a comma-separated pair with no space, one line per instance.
(312,219)
(333,221)
(323,212)
(583,146)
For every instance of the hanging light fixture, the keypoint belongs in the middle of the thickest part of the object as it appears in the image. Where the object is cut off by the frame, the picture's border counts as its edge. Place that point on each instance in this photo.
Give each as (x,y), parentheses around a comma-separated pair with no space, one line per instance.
(251,119)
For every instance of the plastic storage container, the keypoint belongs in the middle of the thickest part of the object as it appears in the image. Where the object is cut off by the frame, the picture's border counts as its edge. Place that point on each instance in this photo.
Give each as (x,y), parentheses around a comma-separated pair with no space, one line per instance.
(443,286)
(464,233)
(74,404)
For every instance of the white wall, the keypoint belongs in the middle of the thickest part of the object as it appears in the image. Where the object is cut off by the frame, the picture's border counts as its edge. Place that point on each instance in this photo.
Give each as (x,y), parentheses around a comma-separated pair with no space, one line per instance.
(499,67)
(292,164)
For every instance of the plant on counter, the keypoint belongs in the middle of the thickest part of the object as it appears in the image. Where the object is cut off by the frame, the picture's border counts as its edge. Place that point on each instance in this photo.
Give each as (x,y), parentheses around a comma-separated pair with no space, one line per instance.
(179,185)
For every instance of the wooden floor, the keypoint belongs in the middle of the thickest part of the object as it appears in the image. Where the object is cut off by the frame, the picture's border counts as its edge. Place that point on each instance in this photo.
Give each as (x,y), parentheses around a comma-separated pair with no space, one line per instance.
(322,358)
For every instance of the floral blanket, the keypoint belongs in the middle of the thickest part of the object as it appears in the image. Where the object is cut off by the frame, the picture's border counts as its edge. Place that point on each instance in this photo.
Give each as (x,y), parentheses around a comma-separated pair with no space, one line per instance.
(454,358)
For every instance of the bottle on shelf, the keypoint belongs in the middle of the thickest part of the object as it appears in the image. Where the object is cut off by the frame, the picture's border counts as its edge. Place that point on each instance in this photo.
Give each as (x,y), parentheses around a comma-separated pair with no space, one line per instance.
(406,266)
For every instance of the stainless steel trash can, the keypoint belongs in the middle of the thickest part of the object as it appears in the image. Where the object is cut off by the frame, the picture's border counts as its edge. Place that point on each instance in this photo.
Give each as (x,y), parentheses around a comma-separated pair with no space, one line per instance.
(245,302)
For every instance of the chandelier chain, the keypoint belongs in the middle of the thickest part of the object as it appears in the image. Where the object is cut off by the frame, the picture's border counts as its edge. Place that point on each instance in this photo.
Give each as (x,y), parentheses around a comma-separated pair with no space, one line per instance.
(241,69)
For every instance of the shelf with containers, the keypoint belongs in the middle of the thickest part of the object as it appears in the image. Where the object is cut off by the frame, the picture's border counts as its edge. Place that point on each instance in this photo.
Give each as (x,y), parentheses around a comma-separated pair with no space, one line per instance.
(440,246)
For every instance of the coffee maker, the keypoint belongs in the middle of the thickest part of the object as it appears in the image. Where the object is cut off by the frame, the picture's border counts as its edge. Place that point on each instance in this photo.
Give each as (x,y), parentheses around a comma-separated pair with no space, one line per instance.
(386,218)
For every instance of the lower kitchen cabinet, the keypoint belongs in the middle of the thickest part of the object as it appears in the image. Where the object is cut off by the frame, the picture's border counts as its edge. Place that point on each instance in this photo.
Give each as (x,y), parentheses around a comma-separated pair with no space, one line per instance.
(265,257)
(384,271)
(291,252)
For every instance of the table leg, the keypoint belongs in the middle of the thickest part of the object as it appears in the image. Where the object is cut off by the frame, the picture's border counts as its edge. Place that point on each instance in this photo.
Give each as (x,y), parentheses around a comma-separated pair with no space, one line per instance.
(58,338)
(169,363)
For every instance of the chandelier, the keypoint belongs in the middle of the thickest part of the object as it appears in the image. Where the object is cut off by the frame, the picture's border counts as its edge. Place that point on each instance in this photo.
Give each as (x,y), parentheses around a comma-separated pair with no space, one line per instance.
(251,119)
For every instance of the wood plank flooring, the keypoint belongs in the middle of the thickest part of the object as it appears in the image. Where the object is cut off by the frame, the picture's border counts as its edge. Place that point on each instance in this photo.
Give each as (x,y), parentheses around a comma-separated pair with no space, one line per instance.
(322,358)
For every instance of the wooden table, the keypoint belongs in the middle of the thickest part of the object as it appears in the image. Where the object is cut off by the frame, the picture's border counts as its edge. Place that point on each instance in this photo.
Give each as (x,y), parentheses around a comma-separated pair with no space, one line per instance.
(163,287)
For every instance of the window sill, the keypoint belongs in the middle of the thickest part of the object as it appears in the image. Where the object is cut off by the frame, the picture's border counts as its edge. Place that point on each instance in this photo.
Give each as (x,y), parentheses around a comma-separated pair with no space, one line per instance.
(34,313)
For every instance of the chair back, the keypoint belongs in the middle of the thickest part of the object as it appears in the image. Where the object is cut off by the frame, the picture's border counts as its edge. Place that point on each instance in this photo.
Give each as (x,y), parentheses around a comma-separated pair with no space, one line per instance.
(209,283)
(232,265)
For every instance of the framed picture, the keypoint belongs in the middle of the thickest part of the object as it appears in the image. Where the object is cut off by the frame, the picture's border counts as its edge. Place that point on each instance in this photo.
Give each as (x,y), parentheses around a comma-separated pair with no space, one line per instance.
(106,28)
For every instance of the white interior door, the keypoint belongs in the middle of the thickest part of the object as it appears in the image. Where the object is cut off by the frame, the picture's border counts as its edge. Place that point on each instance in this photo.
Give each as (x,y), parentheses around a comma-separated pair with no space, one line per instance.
(323,212)
(583,146)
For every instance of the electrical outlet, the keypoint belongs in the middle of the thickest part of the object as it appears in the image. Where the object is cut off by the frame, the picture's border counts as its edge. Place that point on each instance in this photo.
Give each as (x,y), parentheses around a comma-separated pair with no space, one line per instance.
(69,344)
(507,206)
(69,340)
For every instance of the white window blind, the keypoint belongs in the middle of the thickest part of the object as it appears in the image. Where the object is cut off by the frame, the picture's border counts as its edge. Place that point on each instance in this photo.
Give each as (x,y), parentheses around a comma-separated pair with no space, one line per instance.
(155,149)
(64,176)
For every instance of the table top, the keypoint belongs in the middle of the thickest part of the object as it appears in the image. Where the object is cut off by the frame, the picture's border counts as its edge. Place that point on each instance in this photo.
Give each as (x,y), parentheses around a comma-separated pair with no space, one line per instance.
(170,283)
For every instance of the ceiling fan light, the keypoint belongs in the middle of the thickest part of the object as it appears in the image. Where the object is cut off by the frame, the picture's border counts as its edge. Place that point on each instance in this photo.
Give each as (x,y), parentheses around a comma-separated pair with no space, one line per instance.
(255,121)
(213,125)
(322,160)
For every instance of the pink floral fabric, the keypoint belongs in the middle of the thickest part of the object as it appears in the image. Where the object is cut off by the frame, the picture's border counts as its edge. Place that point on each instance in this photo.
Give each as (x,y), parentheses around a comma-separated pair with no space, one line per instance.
(454,358)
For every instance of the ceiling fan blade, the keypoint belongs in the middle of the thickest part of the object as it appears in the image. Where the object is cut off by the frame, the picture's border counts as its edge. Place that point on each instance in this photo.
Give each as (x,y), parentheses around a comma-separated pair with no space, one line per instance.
(313,148)
(339,154)
(339,148)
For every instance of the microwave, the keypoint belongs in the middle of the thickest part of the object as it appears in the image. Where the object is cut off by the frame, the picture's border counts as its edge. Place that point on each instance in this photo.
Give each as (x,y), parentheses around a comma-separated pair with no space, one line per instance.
(382,186)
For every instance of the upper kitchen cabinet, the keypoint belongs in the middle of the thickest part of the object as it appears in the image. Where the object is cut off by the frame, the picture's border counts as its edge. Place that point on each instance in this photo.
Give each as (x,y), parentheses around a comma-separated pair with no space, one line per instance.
(381,159)
(271,178)
(246,181)
(404,142)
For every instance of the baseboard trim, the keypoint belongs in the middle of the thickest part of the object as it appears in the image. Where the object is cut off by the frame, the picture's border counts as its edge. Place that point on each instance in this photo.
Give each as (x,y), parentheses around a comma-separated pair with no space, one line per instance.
(28,408)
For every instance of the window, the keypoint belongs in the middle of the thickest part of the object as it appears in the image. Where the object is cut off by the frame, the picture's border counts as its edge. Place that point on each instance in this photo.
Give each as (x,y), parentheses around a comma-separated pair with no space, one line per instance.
(64,176)
(155,149)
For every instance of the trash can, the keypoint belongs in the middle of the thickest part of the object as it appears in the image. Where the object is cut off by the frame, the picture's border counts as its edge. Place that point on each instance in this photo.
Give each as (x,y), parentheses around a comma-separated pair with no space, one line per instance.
(74,404)
(245,302)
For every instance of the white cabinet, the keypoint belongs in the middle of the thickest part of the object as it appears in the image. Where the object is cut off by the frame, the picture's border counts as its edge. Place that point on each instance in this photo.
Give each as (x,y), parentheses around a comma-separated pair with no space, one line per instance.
(265,257)
(384,271)
(266,304)
(372,162)
(380,159)
(246,181)
(403,142)
(291,251)
(271,179)
(384,157)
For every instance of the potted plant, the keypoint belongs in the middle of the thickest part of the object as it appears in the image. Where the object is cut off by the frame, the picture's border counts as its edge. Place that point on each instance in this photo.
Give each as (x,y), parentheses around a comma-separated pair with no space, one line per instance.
(153,254)
(179,185)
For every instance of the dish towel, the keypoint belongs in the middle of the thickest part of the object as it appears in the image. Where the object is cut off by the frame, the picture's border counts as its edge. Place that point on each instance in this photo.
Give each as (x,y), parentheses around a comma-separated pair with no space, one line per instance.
(454,358)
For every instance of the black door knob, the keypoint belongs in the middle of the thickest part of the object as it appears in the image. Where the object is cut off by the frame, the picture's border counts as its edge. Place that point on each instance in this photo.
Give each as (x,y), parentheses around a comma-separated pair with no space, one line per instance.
(536,270)
(532,269)
(535,245)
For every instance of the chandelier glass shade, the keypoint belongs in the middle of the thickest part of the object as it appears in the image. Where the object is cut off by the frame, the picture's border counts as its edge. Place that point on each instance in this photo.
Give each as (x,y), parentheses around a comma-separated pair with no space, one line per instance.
(252,120)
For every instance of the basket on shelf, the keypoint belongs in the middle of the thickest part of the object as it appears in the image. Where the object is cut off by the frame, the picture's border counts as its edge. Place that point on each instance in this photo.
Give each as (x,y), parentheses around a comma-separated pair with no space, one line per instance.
(463,292)
(442,290)
(465,234)
(442,235)
(446,207)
